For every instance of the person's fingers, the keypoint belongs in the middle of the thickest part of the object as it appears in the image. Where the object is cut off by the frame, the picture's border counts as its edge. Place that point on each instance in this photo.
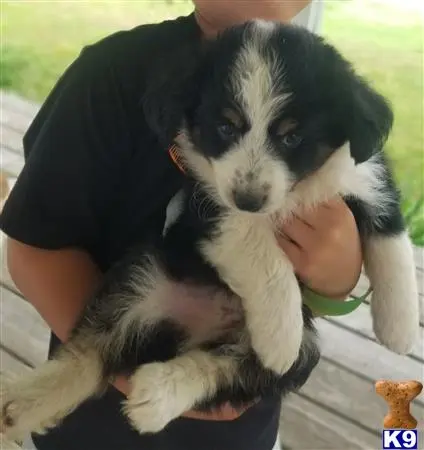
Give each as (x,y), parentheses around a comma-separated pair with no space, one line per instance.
(122,384)
(213,416)
(292,250)
(318,217)
(335,202)
(298,231)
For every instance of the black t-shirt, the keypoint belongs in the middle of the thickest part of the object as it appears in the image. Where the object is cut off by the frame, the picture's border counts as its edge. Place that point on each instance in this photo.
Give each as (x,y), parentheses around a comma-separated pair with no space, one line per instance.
(96,178)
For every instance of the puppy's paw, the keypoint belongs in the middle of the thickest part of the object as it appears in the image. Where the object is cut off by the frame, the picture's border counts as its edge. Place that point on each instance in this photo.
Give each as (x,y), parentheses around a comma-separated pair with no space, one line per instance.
(159,394)
(280,349)
(400,338)
(279,359)
(19,412)
(12,408)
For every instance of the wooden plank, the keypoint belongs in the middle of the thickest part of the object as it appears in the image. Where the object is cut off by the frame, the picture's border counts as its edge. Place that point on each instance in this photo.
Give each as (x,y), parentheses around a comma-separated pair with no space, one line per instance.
(352,396)
(419,259)
(305,425)
(5,278)
(10,161)
(367,358)
(17,113)
(360,321)
(23,332)
(10,366)
(15,120)
(13,102)
(11,139)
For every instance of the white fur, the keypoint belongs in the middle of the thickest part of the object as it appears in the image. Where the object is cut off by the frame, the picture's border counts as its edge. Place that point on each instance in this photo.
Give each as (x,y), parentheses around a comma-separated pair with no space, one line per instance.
(339,175)
(173,210)
(389,263)
(254,80)
(250,157)
(162,392)
(248,259)
(264,26)
(144,306)
(6,185)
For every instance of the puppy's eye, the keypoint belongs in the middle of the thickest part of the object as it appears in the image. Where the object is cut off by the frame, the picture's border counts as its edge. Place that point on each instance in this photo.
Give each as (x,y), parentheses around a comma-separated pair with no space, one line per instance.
(227,130)
(291,140)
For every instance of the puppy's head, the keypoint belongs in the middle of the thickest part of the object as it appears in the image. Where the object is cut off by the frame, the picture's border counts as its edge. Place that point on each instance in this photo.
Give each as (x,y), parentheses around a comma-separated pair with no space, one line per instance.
(262,107)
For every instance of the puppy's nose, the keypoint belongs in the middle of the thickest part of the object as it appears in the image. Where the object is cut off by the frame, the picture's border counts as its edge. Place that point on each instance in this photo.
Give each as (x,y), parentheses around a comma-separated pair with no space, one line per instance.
(246,201)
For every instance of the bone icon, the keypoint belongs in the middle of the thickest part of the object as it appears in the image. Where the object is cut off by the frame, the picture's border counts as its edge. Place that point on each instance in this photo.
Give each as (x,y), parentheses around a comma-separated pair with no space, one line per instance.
(398,396)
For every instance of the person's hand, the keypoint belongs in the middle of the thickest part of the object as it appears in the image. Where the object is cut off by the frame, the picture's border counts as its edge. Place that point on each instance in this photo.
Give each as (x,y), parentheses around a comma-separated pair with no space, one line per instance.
(122,383)
(325,249)
(224,413)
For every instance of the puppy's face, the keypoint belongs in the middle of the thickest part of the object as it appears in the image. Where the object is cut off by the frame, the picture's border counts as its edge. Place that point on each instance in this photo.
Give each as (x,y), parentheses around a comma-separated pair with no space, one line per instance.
(268,106)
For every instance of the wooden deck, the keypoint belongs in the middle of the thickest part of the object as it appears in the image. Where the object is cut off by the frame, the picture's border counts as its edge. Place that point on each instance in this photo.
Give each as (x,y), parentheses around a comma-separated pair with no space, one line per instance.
(336,409)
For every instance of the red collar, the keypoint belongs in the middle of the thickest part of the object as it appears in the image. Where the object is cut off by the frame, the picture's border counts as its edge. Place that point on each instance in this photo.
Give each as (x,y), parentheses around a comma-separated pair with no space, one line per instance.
(174,153)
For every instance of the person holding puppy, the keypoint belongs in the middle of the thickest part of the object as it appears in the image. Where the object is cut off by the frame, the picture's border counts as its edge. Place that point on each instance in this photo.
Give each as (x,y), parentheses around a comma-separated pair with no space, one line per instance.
(96,181)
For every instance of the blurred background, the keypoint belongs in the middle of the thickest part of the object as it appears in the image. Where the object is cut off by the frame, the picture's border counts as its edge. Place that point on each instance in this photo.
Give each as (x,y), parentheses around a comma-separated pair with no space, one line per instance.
(383,38)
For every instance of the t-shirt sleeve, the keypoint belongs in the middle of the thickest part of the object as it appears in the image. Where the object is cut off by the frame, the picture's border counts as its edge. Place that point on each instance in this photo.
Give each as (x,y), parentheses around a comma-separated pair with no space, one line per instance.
(75,153)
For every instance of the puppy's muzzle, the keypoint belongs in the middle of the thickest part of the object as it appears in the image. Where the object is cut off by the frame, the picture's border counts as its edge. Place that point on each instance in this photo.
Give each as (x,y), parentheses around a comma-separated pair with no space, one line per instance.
(249,201)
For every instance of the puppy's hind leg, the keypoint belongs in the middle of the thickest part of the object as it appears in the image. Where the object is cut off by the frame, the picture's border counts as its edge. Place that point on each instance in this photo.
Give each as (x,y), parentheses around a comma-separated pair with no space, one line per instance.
(42,399)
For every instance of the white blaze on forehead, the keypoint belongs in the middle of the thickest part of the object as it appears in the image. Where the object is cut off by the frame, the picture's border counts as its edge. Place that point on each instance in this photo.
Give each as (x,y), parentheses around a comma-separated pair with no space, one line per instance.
(255,79)
(264,26)
(256,75)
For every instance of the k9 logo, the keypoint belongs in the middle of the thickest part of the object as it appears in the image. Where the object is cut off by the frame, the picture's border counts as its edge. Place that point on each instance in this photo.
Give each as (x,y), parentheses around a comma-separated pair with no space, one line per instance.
(393,439)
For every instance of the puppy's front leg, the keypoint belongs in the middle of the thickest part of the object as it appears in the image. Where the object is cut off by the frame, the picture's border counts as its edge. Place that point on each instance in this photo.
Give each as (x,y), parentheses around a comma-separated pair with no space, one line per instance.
(249,261)
(163,391)
(389,263)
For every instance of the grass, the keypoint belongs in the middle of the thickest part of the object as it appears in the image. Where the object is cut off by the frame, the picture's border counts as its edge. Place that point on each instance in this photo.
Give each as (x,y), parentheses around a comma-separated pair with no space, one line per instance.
(382,38)
(386,44)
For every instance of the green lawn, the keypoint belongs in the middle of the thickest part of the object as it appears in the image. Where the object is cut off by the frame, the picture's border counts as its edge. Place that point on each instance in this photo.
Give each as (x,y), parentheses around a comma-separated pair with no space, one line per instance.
(383,39)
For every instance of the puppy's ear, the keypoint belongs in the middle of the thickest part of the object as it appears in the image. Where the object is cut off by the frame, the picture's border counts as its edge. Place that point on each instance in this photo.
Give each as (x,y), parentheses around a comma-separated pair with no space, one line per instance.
(370,121)
(173,88)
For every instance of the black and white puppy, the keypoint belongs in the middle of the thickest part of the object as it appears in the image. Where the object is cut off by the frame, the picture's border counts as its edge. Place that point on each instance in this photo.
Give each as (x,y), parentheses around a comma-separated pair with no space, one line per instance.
(269,119)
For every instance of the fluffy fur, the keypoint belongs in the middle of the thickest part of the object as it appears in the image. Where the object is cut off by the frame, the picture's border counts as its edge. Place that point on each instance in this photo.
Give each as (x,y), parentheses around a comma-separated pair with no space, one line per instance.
(269,119)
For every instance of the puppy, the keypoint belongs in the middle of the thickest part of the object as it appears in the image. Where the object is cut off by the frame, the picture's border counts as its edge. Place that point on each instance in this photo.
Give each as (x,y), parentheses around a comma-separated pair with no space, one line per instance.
(269,118)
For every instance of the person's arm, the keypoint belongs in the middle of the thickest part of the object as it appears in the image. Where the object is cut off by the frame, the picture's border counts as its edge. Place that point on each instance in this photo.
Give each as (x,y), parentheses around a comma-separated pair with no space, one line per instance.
(58,283)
